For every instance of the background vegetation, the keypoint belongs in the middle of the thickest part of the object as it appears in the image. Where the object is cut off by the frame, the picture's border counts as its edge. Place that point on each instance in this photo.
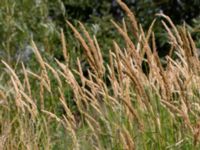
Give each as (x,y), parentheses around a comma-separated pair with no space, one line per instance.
(41,21)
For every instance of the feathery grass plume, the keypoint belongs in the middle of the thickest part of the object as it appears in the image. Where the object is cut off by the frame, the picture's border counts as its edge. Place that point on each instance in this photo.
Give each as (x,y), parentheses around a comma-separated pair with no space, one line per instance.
(68,75)
(183,104)
(125,137)
(112,78)
(33,110)
(195,57)
(14,75)
(87,50)
(123,140)
(124,25)
(55,73)
(44,74)
(128,105)
(93,124)
(146,48)
(135,73)
(133,53)
(34,75)
(171,36)
(197,133)
(42,94)
(192,45)
(99,59)
(190,50)
(126,31)
(26,79)
(3,97)
(147,38)
(77,91)
(178,37)
(153,60)
(131,18)
(129,140)
(92,47)
(80,72)
(50,114)
(165,81)
(64,47)
(5,134)
(18,96)
(118,63)
(97,108)
(186,43)
(45,81)
(38,56)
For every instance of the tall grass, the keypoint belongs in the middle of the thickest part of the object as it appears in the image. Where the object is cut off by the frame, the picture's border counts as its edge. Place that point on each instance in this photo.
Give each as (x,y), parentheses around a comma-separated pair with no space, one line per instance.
(116,104)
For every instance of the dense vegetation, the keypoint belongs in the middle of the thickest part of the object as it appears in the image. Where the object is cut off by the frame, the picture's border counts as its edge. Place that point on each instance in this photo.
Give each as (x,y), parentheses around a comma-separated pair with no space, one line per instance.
(23,20)
(115,84)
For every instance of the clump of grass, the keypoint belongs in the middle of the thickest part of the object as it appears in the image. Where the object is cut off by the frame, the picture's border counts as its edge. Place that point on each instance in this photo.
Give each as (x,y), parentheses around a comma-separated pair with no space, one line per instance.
(117,105)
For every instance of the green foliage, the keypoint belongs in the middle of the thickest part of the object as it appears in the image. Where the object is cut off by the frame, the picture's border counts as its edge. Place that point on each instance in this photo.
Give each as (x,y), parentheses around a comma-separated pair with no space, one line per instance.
(23,20)
(41,20)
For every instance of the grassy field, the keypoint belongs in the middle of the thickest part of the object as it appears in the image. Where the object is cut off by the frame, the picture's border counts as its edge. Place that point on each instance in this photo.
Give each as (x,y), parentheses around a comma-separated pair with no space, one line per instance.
(130,100)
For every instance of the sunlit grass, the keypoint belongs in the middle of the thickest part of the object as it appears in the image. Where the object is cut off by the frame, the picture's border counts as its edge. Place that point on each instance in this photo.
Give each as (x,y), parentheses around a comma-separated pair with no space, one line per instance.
(115,104)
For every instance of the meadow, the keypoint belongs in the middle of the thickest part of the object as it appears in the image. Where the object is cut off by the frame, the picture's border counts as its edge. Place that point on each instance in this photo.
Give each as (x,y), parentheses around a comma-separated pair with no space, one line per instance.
(129,99)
